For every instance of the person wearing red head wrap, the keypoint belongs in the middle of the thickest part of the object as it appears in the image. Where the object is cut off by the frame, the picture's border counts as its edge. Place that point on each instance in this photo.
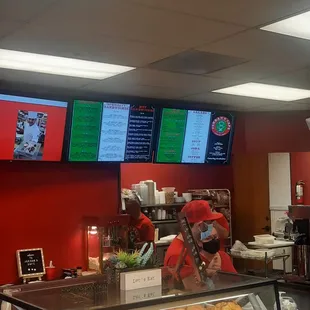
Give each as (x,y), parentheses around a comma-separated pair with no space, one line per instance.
(200,217)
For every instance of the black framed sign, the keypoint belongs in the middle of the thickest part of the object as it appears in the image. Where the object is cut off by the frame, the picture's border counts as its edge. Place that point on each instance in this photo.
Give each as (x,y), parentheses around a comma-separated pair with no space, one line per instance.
(30,263)
(191,246)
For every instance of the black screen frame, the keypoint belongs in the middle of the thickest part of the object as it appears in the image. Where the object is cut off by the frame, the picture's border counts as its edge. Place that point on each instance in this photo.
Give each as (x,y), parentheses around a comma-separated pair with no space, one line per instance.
(131,103)
(229,153)
(43,97)
(69,95)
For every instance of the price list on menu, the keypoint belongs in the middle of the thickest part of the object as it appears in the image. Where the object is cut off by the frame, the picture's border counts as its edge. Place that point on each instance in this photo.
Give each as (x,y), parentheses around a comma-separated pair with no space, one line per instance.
(85,131)
(140,132)
(113,132)
(220,138)
(196,136)
(171,137)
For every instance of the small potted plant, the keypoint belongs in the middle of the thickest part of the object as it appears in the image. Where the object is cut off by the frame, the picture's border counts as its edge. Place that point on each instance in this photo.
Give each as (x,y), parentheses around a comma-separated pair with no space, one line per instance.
(124,261)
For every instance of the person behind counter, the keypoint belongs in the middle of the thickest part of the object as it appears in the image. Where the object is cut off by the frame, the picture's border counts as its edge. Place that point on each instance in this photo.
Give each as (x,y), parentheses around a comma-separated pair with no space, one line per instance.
(201,218)
(222,227)
(141,229)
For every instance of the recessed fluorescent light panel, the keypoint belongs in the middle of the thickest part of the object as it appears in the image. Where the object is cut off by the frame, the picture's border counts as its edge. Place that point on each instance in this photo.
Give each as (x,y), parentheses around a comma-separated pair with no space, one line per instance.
(266,91)
(295,26)
(59,65)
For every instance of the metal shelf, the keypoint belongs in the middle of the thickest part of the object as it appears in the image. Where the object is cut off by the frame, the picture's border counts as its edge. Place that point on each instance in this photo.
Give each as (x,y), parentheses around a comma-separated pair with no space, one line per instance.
(164,205)
(164,221)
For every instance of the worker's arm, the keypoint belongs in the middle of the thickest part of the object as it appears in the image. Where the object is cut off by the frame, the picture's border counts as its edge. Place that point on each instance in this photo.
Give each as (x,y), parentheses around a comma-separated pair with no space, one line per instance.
(222,227)
(147,232)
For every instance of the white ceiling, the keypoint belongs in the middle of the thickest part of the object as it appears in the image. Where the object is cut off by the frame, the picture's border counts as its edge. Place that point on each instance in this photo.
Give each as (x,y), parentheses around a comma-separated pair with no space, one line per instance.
(140,32)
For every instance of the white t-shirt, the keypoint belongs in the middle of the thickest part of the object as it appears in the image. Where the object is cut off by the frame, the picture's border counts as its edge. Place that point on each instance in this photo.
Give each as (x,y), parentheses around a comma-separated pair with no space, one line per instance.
(31,133)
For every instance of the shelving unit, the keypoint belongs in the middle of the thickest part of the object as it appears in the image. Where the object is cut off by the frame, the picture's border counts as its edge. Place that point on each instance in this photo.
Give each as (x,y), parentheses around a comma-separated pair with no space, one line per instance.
(165,205)
(164,222)
(168,208)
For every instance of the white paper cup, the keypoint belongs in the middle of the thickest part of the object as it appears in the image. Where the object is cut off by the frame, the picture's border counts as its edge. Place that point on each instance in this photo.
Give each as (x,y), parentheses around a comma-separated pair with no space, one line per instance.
(187,196)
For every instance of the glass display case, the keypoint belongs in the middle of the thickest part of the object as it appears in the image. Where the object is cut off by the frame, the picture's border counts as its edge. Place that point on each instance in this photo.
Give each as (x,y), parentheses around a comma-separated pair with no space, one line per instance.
(224,291)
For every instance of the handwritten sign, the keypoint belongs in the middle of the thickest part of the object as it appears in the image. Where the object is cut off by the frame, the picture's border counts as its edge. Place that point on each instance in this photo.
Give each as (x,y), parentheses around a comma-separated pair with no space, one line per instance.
(140,279)
(141,294)
(30,263)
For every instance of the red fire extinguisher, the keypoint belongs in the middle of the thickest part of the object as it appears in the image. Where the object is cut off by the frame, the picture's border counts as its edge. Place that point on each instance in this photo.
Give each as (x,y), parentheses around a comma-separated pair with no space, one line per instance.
(299,192)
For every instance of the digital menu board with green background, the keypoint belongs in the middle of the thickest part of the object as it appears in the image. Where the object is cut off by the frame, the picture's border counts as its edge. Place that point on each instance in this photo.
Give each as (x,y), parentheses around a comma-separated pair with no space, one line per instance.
(111,132)
(194,136)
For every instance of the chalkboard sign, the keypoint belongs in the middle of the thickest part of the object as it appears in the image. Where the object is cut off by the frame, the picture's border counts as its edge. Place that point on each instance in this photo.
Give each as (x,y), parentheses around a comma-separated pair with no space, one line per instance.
(191,246)
(30,263)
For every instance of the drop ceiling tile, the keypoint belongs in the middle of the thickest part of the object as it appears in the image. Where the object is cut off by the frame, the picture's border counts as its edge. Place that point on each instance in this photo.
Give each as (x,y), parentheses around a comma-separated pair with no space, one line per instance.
(8,27)
(282,107)
(22,10)
(106,87)
(298,79)
(264,46)
(100,48)
(252,71)
(196,62)
(242,12)
(41,79)
(124,19)
(184,82)
(230,101)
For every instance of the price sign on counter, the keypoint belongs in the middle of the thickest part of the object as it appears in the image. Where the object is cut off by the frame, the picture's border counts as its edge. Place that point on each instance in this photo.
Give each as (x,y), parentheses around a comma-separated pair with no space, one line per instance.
(30,263)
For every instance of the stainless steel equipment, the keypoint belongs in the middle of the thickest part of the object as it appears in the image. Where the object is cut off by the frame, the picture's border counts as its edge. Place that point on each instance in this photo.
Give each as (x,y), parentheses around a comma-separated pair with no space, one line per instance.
(301,226)
(301,257)
(284,228)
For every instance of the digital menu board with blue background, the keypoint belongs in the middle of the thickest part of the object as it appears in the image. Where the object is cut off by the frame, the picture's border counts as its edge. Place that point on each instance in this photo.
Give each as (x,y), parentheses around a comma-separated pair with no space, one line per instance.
(111,132)
(194,136)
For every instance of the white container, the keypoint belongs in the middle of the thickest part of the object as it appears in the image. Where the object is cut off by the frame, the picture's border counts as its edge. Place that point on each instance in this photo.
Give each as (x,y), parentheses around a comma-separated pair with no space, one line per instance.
(162,197)
(264,239)
(136,187)
(144,193)
(187,196)
(151,192)
(158,214)
(179,199)
(163,214)
(157,198)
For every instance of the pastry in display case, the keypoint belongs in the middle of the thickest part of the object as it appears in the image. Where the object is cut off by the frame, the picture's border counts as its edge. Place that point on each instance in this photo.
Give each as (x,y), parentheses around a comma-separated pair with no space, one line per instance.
(227,292)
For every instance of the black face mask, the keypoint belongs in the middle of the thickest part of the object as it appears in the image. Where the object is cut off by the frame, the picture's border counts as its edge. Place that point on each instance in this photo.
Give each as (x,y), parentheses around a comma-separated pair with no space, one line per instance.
(212,246)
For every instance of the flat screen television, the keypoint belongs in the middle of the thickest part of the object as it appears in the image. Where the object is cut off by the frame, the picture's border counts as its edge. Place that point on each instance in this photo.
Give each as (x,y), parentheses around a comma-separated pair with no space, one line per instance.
(194,137)
(31,128)
(111,132)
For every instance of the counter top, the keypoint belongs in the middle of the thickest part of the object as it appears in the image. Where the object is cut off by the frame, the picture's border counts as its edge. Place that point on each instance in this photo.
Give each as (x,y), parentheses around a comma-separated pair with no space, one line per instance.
(96,291)
(162,243)
(276,244)
(300,294)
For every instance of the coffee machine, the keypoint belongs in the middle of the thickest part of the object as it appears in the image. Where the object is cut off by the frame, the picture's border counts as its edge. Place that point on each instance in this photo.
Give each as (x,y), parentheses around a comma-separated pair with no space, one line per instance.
(300,215)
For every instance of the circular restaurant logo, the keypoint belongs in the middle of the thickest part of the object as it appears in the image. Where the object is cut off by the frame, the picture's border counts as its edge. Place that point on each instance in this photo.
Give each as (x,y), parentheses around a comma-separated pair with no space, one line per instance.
(221,126)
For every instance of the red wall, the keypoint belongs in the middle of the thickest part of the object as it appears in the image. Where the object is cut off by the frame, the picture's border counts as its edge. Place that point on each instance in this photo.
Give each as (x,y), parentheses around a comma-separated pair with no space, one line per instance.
(183,177)
(300,170)
(43,204)
(275,132)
